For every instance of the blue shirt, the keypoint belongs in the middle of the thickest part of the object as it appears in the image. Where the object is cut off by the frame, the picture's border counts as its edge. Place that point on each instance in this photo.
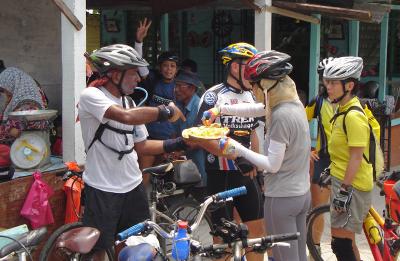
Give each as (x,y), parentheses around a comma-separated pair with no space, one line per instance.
(161,130)
(190,112)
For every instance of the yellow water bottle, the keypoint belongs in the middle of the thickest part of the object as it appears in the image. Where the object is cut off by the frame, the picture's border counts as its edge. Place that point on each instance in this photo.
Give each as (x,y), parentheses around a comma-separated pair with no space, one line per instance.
(372,229)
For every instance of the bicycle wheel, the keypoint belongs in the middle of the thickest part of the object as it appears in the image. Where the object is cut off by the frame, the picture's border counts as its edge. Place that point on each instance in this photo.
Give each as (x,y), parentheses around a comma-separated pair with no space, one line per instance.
(318,232)
(187,209)
(50,253)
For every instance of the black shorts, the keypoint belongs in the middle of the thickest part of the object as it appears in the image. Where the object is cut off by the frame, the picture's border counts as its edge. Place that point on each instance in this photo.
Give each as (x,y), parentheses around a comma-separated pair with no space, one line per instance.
(319,166)
(112,213)
(249,206)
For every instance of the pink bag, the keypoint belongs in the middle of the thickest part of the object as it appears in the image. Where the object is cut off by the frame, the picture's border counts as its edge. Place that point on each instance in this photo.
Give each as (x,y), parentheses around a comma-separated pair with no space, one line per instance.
(36,207)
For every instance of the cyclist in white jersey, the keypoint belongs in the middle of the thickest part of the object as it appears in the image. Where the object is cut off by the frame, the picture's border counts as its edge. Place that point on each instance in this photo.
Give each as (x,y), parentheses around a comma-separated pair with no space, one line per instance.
(223,173)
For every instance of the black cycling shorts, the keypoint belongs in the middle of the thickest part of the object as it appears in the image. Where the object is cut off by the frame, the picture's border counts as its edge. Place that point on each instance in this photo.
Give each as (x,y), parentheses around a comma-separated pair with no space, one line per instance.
(250,206)
(319,166)
(112,213)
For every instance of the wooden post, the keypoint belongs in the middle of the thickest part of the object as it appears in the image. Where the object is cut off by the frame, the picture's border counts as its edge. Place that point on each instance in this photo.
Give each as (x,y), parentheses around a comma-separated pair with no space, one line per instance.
(73,46)
(315,46)
(262,27)
(383,57)
(354,37)
(164,33)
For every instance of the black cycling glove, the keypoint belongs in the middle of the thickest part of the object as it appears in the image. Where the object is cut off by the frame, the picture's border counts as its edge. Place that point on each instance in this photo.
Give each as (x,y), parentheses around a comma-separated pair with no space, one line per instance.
(342,199)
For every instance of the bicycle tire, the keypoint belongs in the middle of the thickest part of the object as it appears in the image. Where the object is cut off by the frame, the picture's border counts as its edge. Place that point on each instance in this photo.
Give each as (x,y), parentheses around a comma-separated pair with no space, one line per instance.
(325,252)
(312,216)
(187,209)
(47,250)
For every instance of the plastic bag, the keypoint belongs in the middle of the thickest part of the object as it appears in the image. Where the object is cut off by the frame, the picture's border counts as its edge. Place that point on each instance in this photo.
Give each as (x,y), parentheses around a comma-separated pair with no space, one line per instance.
(36,207)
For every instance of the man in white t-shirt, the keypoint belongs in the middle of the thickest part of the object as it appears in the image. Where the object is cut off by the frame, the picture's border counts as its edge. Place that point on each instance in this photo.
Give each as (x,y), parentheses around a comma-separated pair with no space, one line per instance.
(114,135)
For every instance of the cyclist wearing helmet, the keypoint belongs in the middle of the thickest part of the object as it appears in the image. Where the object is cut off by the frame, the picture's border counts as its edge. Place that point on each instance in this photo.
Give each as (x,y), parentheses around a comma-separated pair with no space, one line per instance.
(322,109)
(287,145)
(223,173)
(352,175)
(114,136)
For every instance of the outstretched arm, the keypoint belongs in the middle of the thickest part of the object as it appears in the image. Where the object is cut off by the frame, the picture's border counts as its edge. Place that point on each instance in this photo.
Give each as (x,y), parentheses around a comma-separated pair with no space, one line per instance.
(271,163)
(244,110)
(143,115)
(241,110)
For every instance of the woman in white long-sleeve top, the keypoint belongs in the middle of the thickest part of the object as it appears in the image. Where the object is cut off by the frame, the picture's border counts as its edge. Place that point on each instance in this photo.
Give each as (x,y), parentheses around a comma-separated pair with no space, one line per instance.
(287,184)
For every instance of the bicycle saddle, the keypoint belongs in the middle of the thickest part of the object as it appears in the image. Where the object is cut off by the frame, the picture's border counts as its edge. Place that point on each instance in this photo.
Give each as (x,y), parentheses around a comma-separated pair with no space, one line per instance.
(160,170)
(28,239)
(79,240)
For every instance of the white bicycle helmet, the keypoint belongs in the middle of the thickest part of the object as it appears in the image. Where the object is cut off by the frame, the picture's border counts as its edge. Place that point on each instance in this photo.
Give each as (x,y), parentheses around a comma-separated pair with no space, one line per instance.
(116,56)
(344,68)
(323,64)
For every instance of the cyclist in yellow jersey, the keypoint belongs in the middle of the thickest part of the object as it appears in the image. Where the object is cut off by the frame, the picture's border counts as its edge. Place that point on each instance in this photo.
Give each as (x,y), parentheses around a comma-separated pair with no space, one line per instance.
(352,177)
(321,109)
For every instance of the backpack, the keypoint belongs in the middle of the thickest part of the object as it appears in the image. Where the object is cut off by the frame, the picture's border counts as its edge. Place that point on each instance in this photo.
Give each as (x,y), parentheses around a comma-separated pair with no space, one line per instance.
(319,100)
(375,151)
(100,130)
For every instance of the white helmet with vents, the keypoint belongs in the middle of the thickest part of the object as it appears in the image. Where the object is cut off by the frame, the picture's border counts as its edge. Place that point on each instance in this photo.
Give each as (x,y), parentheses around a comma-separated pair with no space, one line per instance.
(116,56)
(323,64)
(344,68)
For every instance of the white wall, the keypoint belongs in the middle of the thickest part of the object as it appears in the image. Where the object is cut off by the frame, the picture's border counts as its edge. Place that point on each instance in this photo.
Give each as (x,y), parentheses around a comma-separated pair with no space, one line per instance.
(30,38)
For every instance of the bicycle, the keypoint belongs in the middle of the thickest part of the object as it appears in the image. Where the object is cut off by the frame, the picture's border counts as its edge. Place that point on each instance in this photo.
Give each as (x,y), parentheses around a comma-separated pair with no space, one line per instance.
(172,197)
(22,245)
(235,236)
(381,232)
(186,208)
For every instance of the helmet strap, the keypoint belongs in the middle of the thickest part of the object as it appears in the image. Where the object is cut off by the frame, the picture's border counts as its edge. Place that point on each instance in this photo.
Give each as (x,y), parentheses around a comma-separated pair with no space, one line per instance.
(344,93)
(240,80)
(119,87)
(273,86)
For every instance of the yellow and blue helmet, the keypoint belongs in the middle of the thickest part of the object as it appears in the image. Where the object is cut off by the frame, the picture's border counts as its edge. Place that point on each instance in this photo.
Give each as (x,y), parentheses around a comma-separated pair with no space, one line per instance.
(237,51)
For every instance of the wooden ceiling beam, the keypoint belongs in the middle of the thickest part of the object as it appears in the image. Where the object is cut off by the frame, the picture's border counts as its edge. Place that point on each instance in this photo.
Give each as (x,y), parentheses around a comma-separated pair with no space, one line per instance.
(350,14)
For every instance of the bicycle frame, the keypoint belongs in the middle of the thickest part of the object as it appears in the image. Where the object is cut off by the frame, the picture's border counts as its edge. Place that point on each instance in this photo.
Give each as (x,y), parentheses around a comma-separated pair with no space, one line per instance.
(389,235)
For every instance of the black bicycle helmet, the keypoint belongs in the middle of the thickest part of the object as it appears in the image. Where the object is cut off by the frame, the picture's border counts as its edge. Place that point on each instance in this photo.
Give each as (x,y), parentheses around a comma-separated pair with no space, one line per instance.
(117,56)
(272,65)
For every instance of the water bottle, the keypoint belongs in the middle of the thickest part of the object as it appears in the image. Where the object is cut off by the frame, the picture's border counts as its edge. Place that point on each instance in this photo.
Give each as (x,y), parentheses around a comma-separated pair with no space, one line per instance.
(370,225)
(180,244)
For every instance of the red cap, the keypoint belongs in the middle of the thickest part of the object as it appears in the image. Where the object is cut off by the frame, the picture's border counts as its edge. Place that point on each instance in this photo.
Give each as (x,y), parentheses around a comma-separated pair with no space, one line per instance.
(182,224)
(5,160)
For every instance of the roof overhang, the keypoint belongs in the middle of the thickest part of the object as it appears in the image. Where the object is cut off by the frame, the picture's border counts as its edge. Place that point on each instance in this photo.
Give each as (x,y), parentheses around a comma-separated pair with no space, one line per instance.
(364,12)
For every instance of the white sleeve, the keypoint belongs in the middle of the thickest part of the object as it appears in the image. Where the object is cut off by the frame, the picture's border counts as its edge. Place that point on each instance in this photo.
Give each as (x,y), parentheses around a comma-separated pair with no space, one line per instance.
(271,163)
(94,102)
(143,71)
(140,134)
(244,109)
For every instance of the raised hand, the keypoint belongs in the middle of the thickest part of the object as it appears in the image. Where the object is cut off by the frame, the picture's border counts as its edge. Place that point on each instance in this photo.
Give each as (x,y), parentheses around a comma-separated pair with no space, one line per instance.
(141,31)
(210,116)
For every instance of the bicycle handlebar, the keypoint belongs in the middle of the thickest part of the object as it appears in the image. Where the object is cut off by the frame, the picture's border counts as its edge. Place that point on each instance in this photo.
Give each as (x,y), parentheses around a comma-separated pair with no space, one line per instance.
(140,227)
(265,241)
(231,193)
(134,230)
